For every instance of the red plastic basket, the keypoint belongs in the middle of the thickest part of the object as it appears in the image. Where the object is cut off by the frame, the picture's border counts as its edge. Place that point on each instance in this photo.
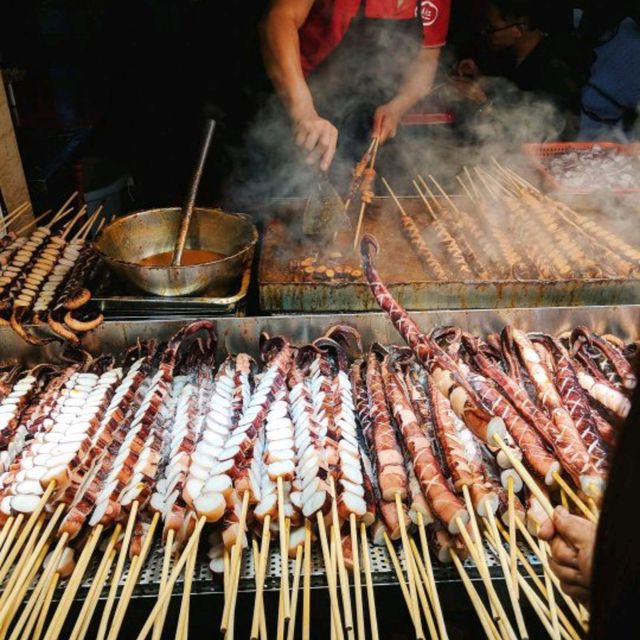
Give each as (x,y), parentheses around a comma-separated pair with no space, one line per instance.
(539,153)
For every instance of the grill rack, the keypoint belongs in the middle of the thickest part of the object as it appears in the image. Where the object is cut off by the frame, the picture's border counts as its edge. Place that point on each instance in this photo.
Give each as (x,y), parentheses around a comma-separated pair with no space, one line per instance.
(205,583)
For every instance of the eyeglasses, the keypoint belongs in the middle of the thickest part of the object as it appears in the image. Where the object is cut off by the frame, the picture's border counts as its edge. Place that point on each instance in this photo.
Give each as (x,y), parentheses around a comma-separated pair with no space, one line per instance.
(487,30)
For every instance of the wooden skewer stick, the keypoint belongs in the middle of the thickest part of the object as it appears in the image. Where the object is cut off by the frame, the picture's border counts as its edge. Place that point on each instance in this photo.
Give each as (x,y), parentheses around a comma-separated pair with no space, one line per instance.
(543,590)
(574,497)
(593,507)
(284,557)
(371,600)
(166,564)
(86,227)
(435,598)
(483,615)
(330,574)
(46,605)
(347,204)
(281,621)
(12,216)
(183,619)
(502,554)
(363,206)
(545,565)
(353,531)
(411,573)
(471,182)
(510,578)
(165,593)
(445,195)
(541,611)
(466,189)
(306,587)
(134,571)
(256,564)
(488,188)
(342,570)
(512,533)
(525,475)
(72,223)
(432,196)
(421,575)
(295,592)
(64,209)
(28,560)
(86,613)
(261,571)
(236,560)
(39,611)
(4,532)
(424,199)
(33,599)
(117,572)
(55,628)
(36,220)
(24,534)
(553,607)
(477,553)
(8,544)
(499,185)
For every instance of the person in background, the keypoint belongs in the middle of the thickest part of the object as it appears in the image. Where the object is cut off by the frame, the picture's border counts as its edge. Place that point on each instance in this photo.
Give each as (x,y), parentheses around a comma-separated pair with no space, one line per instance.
(539,65)
(600,566)
(346,68)
(611,98)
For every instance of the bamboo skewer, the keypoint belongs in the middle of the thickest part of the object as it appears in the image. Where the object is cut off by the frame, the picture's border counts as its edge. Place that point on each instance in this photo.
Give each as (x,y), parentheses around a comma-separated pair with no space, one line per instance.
(466,189)
(38,219)
(477,552)
(24,534)
(512,533)
(427,600)
(306,588)
(284,552)
(353,532)
(542,612)
(134,571)
(46,605)
(86,227)
(553,607)
(331,577)
(117,572)
(471,182)
(84,618)
(411,578)
(481,611)
(183,618)
(541,587)
(55,628)
(371,600)
(295,592)
(403,585)
(363,206)
(435,598)
(236,560)
(72,223)
(4,534)
(39,611)
(30,605)
(12,216)
(510,579)
(342,570)
(177,570)
(256,562)
(260,575)
(574,497)
(166,564)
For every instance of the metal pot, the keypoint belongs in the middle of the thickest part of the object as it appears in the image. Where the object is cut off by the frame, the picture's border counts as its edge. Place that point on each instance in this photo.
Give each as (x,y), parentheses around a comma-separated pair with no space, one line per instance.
(127,240)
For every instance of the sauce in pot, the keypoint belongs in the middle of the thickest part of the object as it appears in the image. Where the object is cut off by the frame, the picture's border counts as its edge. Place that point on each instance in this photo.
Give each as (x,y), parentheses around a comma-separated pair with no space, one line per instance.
(189,257)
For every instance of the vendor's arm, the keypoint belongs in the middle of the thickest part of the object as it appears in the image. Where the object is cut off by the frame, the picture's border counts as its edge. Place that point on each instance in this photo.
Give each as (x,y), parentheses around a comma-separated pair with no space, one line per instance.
(417,84)
(281,53)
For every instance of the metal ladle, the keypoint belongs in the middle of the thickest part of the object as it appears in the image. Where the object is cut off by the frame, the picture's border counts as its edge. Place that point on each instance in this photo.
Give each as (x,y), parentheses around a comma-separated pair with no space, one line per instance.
(190,200)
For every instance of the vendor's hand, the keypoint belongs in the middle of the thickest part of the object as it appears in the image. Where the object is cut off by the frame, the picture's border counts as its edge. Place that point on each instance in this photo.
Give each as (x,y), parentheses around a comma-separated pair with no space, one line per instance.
(318,138)
(386,121)
(572,541)
(467,68)
(469,89)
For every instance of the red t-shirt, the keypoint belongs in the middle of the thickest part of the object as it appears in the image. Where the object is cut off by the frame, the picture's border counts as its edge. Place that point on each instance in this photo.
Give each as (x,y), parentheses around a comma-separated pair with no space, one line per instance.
(329,20)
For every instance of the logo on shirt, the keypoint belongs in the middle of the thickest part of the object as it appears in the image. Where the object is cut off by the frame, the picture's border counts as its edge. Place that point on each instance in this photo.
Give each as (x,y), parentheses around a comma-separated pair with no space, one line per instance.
(428,12)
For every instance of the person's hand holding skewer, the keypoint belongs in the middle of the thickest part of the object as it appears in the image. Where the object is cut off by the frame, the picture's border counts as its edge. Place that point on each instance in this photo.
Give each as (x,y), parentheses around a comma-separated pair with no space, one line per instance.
(386,121)
(572,540)
(318,137)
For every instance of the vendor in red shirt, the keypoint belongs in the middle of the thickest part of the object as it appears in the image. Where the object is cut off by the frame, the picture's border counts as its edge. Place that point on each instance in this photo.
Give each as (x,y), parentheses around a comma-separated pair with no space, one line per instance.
(326,57)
